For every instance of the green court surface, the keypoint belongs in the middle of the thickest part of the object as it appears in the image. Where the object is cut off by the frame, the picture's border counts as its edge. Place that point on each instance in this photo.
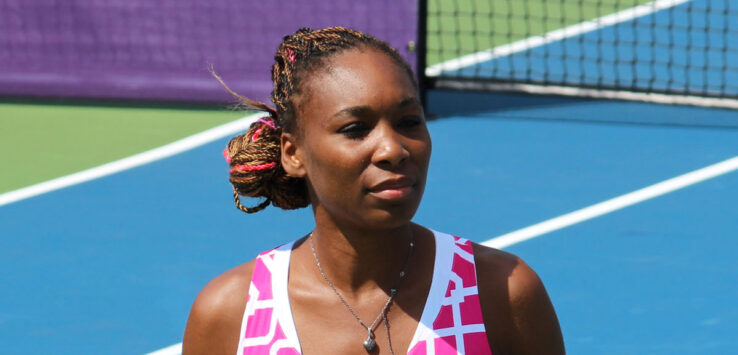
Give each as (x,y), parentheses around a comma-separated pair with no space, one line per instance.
(42,142)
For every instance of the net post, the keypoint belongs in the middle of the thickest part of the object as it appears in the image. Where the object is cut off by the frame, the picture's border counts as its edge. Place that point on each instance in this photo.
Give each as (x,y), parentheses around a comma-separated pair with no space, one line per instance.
(421,51)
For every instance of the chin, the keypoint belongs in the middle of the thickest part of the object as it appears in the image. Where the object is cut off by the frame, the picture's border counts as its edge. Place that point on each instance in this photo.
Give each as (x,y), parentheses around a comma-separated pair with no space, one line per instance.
(390,218)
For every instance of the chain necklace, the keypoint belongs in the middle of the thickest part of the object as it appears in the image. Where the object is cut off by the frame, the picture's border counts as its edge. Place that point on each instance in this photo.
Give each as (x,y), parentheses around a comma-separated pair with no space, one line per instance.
(369,343)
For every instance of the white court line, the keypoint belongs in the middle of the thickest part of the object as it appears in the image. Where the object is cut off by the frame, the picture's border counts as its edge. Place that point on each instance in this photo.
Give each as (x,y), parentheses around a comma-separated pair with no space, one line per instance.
(595,93)
(614,204)
(175,349)
(584,214)
(552,36)
(130,162)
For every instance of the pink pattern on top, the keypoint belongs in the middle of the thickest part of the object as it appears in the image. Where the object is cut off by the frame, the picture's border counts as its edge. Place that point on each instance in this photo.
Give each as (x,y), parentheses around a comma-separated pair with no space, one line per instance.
(263,332)
(458,327)
(453,325)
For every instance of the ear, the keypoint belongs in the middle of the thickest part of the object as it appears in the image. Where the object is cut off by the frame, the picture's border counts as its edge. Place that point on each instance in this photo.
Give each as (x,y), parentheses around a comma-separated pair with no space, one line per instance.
(292,156)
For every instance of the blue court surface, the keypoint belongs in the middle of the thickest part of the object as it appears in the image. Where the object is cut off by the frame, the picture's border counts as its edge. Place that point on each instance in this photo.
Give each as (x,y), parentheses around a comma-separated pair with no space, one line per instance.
(112,266)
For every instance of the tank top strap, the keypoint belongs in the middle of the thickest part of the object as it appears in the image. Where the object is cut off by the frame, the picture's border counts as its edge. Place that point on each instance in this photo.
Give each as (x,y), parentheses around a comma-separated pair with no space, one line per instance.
(452,320)
(267,326)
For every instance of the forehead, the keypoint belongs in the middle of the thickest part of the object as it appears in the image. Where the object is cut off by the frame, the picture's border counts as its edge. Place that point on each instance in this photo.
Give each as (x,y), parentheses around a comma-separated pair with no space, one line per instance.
(356,77)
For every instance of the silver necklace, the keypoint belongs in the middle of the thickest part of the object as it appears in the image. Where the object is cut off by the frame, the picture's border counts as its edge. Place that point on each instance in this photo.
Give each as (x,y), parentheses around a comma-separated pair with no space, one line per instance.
(369,343)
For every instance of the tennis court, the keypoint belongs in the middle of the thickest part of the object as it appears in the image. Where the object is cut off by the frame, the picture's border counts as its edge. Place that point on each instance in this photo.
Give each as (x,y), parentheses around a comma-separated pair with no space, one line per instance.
(638,257)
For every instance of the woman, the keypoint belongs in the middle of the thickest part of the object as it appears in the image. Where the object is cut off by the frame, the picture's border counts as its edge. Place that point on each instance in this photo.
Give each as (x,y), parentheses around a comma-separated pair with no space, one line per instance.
(348,137)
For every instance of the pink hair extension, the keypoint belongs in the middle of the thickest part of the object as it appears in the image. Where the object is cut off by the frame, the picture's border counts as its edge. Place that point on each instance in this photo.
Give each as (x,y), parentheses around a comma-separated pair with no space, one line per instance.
(256,134)
(269,123)
(226,155)
(242,168)
(258,131)
(291,55)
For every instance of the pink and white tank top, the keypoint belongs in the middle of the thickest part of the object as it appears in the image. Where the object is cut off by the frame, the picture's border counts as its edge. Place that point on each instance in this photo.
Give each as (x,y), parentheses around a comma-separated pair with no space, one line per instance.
(451,322)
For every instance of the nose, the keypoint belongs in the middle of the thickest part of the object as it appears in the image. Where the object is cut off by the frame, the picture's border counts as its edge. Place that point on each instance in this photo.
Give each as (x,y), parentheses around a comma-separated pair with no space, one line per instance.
(390,150)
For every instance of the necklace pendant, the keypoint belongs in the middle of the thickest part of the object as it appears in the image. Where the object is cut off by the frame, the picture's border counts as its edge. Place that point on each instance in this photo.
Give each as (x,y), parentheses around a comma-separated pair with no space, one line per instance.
(369,344)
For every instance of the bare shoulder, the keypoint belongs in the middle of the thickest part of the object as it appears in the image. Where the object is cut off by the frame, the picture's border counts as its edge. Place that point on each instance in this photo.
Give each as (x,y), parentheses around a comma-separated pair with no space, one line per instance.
(215,317)
(517,311)
(497,267)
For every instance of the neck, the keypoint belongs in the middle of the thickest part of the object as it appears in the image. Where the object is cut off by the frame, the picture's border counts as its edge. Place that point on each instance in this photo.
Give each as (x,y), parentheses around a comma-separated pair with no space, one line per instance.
(355,259)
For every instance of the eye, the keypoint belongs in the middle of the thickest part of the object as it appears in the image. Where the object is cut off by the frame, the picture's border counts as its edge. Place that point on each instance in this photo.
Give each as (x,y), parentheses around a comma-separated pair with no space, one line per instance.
(355,130)
(410,121)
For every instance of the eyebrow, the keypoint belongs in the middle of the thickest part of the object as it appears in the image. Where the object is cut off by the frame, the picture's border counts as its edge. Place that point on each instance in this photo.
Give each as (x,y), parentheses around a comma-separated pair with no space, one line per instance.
(354,111)
(409,102)
(365,110)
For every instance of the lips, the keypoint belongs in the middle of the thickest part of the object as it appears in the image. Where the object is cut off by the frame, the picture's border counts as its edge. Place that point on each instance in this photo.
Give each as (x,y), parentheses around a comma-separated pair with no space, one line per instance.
(393,189)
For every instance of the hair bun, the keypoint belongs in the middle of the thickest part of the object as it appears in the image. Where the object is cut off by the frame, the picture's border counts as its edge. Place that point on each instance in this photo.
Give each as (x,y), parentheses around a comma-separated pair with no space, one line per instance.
(256,169)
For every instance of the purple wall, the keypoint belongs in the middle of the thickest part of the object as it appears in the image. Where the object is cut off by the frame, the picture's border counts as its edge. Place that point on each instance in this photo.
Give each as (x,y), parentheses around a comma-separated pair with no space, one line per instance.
(160,49)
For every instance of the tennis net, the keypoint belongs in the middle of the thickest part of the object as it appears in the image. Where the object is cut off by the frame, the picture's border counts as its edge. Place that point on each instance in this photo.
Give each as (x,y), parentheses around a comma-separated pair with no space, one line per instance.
(671,51)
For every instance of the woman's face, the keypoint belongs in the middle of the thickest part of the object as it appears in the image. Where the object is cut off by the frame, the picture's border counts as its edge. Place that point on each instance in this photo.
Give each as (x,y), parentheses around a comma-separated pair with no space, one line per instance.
(362,144)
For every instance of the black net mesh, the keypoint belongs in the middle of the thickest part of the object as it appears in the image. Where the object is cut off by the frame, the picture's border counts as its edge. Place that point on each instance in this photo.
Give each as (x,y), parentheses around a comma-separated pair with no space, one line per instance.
(670,47)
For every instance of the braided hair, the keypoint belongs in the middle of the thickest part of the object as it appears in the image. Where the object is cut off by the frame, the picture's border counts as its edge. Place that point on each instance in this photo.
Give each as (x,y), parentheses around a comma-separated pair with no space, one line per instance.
(254,157)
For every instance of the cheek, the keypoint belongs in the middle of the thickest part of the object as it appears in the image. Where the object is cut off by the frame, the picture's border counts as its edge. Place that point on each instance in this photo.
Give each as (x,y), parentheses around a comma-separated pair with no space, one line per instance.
(422,149)
(335,170)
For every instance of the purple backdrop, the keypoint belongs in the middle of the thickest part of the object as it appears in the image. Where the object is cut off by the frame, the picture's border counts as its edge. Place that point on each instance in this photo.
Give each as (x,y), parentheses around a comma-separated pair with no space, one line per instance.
(160,50)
